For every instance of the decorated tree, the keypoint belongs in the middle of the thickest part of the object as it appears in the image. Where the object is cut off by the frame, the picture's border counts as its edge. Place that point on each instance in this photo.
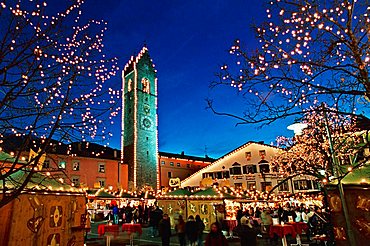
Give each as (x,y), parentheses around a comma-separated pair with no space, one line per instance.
(329,147)
(309,52)
(54,89)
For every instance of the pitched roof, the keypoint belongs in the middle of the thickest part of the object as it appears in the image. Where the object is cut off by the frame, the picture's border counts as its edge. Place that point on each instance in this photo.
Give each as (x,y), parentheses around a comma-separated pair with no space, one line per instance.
(188,157)
(226,155)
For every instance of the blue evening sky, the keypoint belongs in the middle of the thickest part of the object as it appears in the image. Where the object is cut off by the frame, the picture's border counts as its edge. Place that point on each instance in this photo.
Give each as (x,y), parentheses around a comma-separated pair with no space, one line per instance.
(188,41)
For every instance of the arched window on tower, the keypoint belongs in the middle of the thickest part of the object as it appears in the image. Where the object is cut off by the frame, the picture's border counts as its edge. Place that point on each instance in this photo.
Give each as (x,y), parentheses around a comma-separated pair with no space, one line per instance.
(146,85)
(129,85)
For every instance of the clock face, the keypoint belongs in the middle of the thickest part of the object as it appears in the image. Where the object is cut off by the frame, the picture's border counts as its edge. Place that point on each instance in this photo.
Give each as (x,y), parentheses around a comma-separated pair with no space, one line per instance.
(146,122)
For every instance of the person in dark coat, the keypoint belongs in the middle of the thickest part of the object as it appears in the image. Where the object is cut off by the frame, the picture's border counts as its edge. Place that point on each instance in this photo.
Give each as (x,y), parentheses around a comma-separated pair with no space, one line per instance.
(191,230)
(154,219)
(246,233)
(215,237)
(165,230)
(201,227)
(180,230)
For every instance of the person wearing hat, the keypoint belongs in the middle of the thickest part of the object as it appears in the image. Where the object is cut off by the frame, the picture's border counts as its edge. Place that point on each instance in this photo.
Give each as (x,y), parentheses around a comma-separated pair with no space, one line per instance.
(246,232)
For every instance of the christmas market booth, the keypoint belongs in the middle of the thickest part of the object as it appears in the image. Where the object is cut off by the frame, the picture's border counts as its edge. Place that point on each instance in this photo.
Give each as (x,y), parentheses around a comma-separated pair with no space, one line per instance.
(47,212)
(356,187)
(99,203)
(208,203)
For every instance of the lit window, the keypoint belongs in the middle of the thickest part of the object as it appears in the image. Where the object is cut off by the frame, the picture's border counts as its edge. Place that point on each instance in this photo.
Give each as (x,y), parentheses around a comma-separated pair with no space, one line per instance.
(101,168)
(171,164)
(76,166)
(146,85)
(163,162)
(62,164)
(101,182)
(178,164)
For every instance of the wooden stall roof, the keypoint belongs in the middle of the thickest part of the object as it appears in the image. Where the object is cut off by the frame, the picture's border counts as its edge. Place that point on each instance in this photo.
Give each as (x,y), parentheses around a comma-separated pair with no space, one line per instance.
(100,194)
(179,193)
(38,182)
(212,193)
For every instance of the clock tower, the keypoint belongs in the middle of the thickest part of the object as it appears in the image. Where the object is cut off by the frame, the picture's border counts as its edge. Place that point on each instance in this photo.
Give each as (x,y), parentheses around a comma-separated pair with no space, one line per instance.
(139,139)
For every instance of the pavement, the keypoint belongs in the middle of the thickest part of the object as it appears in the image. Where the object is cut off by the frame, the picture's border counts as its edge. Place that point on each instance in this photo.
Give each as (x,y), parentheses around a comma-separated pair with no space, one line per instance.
(145,239)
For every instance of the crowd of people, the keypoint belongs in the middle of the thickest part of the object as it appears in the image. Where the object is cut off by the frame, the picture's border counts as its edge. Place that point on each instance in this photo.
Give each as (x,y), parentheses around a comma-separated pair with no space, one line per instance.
(252,222)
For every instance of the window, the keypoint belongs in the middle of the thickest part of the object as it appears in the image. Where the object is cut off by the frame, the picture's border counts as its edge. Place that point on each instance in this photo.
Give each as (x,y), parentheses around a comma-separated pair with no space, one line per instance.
(262,153)
(188,165)
(145,85)
(46,164)
(302,184)
(101,182)
(178,164)
(62,164)
(251,185)
(163,162)
(76,180)
(236,169)
(101,167)
(171,164)
(76,166)
(266,186)
(248,155)
(264,166)
(284,186)
(249,169)
(169,175)
(219,175)
(226,174)
(238,185)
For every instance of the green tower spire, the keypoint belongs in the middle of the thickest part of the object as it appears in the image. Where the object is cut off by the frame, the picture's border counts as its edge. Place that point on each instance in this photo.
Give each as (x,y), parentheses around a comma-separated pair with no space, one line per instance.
(139,140)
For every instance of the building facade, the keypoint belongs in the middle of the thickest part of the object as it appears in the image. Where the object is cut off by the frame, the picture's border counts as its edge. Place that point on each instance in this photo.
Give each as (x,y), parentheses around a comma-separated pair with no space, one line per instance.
(176,167)
(139,139)
(249,167)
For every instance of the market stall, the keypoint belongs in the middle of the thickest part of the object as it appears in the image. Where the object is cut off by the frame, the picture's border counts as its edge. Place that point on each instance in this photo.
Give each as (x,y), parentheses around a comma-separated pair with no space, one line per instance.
(47,212)
(174,204)
(99,203)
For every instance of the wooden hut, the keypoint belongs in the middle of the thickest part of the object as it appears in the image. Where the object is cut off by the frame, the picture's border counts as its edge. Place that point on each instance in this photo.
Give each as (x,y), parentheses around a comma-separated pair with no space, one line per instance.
(47,212)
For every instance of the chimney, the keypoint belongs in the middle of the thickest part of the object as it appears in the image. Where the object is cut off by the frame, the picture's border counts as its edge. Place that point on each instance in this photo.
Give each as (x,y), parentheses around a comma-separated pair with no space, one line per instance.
(182,153)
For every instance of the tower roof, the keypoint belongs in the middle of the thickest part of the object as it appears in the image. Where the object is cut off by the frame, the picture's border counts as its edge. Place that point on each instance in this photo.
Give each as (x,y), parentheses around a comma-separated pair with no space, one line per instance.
(135,59)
